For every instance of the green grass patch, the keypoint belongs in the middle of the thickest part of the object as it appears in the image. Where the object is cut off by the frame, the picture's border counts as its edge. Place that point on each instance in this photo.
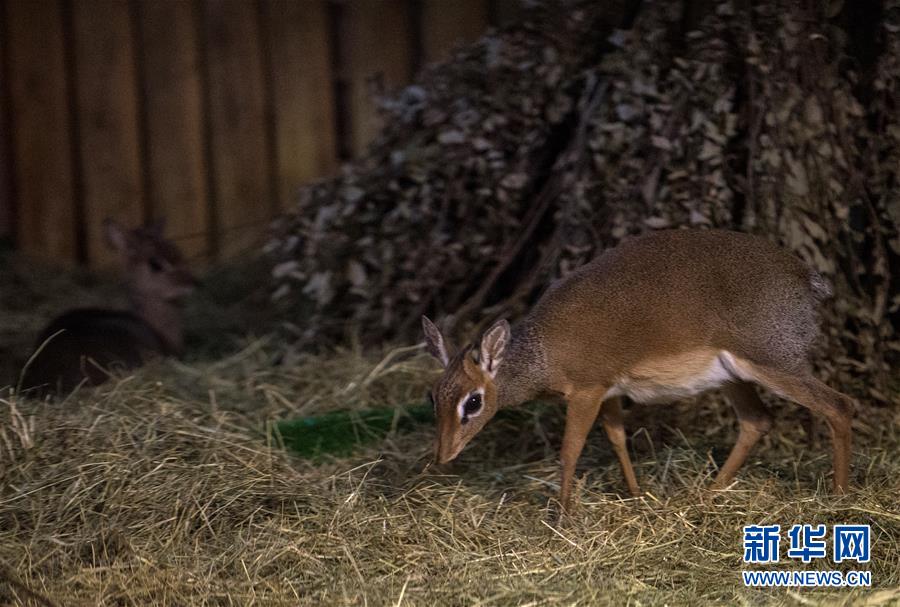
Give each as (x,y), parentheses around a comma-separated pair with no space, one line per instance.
(340,433)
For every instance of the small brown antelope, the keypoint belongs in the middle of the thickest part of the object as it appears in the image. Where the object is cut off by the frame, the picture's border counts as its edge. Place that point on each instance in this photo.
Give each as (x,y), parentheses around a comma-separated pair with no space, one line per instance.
(85,345)
(660,317)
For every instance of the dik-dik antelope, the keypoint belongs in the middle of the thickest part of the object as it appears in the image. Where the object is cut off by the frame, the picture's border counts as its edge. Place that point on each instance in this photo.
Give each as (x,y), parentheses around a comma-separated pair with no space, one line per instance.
(660,317)
(85,345)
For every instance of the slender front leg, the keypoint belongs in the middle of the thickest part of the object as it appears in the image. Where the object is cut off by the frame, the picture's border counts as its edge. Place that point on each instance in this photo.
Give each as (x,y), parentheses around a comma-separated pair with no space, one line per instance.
(581,413)
(611,416)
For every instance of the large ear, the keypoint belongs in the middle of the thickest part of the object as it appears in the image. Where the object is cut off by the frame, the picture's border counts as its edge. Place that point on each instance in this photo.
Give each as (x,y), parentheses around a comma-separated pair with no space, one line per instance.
(116,236)
(493,345)
(435,341)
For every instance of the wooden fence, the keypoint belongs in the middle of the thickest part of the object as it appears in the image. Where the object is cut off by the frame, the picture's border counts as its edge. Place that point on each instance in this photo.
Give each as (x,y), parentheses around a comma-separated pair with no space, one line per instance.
(208,112)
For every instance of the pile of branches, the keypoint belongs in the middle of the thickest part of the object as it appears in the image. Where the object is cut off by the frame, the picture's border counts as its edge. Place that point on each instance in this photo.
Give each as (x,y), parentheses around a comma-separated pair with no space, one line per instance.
(543,144)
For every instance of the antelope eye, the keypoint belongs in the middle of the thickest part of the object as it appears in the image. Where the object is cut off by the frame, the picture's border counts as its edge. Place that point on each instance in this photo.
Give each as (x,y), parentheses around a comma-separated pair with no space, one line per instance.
(473,405)
(155,264)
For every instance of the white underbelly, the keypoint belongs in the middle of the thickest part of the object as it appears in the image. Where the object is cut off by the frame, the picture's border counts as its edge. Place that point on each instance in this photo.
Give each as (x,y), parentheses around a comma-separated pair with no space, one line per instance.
(676,377)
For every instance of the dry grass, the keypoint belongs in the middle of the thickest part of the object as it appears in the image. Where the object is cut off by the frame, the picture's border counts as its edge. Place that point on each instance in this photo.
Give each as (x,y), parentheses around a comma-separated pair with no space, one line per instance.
(163,489)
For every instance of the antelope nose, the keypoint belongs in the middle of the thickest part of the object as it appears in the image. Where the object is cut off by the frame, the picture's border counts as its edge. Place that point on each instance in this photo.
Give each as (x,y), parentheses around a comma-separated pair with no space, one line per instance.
(437,451)
(442,455)
(446,454)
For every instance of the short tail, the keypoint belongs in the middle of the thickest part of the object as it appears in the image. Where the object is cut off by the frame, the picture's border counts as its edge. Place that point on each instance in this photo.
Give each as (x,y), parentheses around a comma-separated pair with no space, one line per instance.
(820,287)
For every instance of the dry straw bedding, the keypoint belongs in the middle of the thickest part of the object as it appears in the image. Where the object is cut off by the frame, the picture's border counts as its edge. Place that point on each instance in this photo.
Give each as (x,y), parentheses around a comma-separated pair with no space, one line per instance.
(163,489)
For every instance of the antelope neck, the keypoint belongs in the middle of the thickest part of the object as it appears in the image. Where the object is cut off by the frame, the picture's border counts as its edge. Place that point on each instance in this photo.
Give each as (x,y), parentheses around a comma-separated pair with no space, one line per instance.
(522,375)
(164,317)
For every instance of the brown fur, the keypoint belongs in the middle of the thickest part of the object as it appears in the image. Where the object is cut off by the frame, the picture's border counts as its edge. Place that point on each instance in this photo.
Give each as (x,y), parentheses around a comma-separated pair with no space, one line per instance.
(661,316)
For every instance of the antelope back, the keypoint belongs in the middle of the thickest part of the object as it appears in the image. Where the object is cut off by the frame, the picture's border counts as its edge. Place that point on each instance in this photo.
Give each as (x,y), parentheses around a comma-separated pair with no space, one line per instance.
(670,295)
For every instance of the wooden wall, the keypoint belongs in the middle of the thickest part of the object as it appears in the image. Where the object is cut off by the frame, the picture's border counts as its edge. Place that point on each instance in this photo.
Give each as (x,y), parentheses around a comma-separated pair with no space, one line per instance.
(208,112)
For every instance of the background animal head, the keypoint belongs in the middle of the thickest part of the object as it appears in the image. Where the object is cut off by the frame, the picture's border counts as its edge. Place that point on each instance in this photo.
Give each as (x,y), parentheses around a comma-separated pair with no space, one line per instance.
(154,266)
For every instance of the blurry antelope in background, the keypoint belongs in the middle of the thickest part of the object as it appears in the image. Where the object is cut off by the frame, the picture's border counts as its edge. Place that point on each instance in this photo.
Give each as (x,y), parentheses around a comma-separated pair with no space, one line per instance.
(660,317)
(87,345)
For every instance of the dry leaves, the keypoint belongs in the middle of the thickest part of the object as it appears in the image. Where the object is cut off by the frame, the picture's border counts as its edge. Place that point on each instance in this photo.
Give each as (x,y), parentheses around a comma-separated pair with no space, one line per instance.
(755,121)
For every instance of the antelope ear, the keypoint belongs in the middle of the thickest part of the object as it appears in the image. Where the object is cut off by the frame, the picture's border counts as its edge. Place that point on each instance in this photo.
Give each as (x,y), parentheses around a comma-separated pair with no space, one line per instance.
(434,341)
(493,345)
(116,236)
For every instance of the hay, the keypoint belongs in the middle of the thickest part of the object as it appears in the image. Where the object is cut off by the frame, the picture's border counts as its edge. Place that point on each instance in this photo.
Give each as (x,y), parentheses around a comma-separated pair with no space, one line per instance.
(166,489)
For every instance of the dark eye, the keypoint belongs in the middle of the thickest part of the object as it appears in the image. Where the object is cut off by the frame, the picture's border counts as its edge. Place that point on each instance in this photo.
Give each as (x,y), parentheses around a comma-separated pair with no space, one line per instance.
(473,405)
(155,264)
(432,403)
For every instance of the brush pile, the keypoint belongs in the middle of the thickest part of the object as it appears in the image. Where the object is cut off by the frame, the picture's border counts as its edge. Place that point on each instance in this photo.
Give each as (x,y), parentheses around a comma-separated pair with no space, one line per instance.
(542,144)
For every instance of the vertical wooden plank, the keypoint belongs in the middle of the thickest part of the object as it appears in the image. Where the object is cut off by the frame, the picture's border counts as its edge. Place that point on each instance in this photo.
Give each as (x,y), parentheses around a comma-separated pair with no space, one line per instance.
(41,140)
(174,122)
(446,24)
(6,187)
(376,44)
(238,121)
(109,137)
(302,87)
